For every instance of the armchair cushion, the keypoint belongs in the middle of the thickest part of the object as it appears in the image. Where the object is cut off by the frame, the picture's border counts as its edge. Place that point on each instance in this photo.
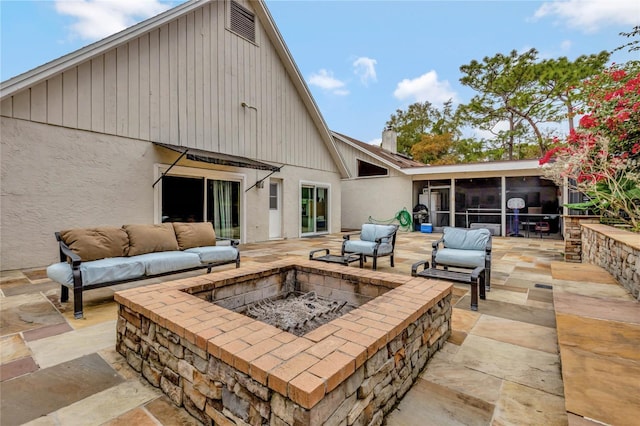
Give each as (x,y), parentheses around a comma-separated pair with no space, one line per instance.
(371,231)
(366,247)
(463,239)
(461,258)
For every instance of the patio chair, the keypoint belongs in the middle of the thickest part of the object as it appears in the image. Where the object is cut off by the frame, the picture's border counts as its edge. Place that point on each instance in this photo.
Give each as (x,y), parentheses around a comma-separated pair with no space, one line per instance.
(375,241)
(541,227)
(465,249)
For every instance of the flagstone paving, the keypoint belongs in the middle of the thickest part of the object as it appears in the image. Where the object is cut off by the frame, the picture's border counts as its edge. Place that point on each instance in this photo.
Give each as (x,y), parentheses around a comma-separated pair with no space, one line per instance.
(553,344)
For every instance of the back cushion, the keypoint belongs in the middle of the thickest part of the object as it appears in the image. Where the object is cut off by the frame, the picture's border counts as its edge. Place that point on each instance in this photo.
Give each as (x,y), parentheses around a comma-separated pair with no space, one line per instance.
(151,238)
(97,243)
(372,231)
(460,238)
(190,235)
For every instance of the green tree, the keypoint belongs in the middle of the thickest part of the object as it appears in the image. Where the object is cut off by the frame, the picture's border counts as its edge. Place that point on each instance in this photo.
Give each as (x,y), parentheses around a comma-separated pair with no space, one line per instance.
(508,91)
(633,45)
(423,119)
(560,78)
(434,149)
(412,124)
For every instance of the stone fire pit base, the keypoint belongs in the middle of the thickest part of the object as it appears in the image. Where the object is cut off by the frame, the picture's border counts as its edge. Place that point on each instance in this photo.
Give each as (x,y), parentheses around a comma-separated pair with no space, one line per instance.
(227,368)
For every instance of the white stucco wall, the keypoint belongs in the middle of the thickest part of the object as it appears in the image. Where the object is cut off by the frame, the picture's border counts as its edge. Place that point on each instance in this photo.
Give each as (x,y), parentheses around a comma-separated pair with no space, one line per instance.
(380,198)
(54,178)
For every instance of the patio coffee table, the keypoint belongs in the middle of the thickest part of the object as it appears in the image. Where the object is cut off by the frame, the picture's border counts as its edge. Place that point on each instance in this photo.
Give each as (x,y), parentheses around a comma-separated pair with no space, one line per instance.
(334,258)
(476,278)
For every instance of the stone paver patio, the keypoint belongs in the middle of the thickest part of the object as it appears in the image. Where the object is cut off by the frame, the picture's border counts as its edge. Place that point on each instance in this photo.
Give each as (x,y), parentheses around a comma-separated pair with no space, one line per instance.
(553,344)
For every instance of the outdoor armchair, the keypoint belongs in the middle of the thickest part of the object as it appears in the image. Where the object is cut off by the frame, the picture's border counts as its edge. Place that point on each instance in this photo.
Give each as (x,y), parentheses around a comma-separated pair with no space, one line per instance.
(463,248)
(375,241)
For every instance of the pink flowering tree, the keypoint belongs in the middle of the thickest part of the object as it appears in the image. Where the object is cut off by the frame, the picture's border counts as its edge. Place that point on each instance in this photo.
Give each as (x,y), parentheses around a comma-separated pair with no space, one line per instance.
(601,158)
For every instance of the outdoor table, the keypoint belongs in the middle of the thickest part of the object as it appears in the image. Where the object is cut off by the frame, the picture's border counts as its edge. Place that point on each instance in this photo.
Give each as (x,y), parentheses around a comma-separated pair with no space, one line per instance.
(333,258)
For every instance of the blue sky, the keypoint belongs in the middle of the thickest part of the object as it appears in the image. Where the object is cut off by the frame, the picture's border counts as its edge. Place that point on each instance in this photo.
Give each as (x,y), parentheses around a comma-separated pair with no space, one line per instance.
(362,60)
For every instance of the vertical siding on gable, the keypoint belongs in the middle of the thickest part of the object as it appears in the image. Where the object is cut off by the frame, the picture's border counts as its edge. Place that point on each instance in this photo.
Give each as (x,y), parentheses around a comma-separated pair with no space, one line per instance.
(6,107)
(84,96)
(199,61)
(39,102)
(175,83)
(144,88)
(97,94)
(111,92)
(22,105)
(70,98)
(184,83)
(133,89)
(54,100)
(122,91)
(165,99)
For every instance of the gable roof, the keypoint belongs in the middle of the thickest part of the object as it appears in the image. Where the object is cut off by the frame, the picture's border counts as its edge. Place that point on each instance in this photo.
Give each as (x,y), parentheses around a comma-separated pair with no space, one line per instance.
(392,159)
(46,71)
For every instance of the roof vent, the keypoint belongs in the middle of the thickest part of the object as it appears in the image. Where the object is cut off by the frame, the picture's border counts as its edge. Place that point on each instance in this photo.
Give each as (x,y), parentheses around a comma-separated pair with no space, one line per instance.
(243,22)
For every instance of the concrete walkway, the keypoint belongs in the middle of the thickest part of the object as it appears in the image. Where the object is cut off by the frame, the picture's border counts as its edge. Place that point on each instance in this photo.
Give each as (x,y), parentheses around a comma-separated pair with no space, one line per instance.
(501,366)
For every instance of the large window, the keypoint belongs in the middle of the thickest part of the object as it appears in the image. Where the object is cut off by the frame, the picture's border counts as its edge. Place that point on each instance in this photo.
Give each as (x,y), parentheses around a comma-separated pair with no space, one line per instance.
(192,199)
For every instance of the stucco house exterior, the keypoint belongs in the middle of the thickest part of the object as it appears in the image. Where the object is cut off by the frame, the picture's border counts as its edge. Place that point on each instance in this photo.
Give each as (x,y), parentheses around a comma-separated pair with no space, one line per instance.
(199,113)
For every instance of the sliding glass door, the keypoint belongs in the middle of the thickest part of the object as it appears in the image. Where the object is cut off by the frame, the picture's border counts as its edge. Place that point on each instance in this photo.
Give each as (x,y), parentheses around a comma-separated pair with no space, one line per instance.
(314,209)
(192,199)
(223,207)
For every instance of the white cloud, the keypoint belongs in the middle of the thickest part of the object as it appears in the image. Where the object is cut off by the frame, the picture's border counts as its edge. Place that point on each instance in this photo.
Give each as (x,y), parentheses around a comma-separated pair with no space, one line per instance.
(425,88)
(325,80)
(376,141)
(565,46)
(591,15)
(96,19)
(365,68)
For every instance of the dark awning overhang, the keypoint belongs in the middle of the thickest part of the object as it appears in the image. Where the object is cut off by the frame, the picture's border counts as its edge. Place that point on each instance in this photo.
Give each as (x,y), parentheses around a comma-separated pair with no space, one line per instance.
(219,158)
(211,157)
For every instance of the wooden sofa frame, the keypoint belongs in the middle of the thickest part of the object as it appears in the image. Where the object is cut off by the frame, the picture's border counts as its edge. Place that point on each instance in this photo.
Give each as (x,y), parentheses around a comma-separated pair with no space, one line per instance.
(66,254)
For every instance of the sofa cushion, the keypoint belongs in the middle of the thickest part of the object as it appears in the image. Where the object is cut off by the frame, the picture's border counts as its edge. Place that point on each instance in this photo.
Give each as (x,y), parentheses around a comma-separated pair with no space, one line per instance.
(366,247)
(151,238)
(462,258)
(463,239)
(199,234)
(97,243)
(168,261)
(214,254)
(372,231)
(98,271)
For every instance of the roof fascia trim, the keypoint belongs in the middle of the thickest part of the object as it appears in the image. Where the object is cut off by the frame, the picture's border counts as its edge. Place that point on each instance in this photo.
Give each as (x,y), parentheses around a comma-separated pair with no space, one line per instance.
(475,167)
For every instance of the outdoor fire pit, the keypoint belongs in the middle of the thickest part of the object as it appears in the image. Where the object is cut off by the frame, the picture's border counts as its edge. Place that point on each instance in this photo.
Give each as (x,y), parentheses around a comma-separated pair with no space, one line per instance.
(346,349)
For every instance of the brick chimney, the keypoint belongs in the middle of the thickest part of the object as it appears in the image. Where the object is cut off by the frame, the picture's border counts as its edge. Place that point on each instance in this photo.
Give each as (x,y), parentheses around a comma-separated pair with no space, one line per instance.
(389,140)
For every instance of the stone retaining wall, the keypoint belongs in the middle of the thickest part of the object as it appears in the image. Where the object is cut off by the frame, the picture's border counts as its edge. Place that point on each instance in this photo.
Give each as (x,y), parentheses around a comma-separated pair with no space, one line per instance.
(615,250)
(573,236)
